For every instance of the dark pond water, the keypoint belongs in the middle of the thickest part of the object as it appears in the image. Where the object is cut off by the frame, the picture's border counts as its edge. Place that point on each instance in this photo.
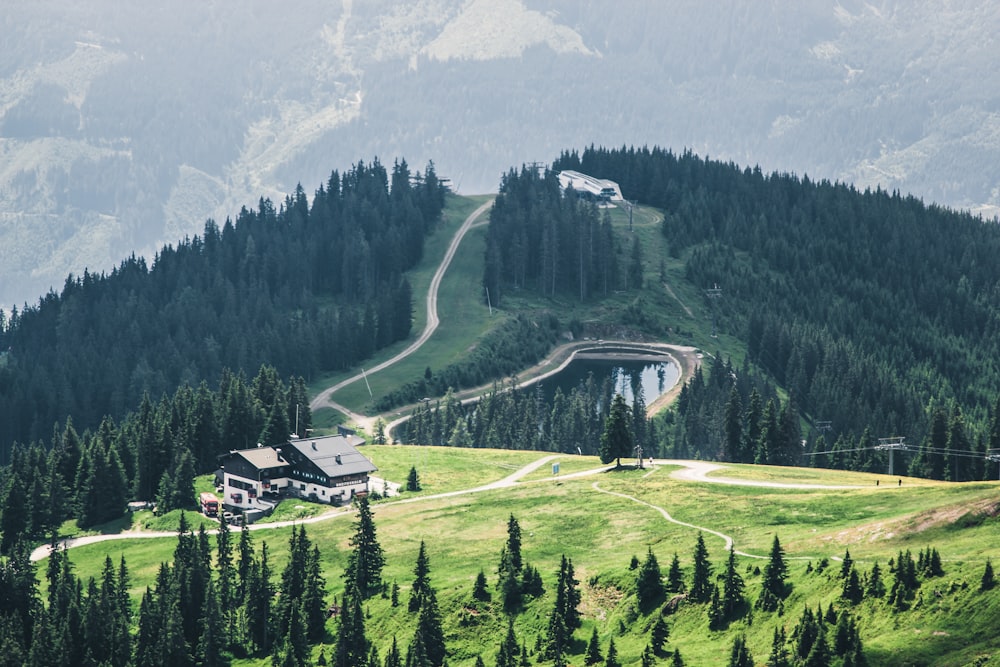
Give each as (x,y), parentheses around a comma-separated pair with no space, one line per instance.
(655,377)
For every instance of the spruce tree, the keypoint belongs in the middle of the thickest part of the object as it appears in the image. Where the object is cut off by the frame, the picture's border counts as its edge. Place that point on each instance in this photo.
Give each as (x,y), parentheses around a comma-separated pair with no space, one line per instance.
(773,584)
(649,583)
(701,575)
(479,590)
(659,635)
(508,652)
(593,655)
(365,562)
(413,480)
(779,650)
(421,581)
(514,544)
(739,655)
(616,439)
(392,658)
(430,631)
(351,649)
(732,588)
(675,575)
(612,658)
(852,590)
(988,581)
(874,586)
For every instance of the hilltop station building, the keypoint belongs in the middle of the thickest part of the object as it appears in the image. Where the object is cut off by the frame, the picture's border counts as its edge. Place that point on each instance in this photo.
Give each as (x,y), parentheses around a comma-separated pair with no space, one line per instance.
(327,470)
(598,189)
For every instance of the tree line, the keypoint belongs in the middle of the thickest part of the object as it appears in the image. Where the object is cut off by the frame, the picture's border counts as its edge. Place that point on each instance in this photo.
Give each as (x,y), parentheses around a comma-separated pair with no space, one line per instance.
(512,417)
(153,454)
(305,286)
(867,306)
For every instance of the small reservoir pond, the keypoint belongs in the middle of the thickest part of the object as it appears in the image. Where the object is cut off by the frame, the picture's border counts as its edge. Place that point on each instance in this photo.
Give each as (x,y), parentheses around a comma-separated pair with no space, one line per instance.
(656,375)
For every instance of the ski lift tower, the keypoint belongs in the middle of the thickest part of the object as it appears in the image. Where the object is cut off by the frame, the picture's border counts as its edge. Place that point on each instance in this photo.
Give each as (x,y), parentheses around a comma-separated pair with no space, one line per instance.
(891,444)
(713,293)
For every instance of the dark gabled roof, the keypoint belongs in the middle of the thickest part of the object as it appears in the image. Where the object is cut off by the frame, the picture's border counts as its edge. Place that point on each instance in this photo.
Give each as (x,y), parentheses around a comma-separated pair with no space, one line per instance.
(335,455)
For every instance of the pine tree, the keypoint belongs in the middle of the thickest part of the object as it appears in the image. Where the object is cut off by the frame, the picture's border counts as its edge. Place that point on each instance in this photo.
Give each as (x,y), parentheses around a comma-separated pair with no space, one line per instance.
(648,658)
(352,645)
(677,660)
(732,589)
(212,641)
(392,658)
(593,655)
(701,579)
(773,585)
(365,562)
(716,611)
(649,583)
(874,586)
(988,581)
(740,656)
(612,658)
(846,564)
(421,582)
(514,545)
(852,591)
(819,654)
(779,650)
(675,575)
(659,635)
(508,652)
(413,480)
(430,631)
(479,590)
(616,439)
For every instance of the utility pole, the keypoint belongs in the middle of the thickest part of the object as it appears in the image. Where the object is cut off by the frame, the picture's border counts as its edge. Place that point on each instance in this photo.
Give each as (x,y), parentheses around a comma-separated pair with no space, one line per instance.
(891,444)
(713,293)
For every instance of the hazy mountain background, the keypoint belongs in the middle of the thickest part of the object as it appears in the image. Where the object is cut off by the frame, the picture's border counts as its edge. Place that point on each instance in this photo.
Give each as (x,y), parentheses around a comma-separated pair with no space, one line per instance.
(124,126)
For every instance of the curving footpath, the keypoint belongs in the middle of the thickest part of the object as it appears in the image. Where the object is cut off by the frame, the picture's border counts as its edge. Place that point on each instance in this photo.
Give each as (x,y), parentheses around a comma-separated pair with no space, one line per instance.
(691,471)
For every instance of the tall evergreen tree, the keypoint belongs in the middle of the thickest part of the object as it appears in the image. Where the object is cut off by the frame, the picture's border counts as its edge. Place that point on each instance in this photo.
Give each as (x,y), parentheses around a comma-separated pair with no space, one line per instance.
(352,645)
(732,587)
(616,439)
(739,655)
(701,575)
(773,588)
(421,582)
(649,583)
(365,562)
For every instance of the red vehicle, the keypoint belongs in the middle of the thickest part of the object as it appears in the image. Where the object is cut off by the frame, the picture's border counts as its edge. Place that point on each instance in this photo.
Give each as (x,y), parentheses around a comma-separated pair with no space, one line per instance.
(209,504)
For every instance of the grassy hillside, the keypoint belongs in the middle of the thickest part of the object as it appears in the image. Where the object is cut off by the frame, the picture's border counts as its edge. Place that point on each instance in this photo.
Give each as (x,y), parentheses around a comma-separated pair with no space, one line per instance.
(951,622)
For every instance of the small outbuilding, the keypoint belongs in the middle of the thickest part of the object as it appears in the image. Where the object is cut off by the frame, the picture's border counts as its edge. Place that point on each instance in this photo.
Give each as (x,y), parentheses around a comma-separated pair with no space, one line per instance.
(599,189)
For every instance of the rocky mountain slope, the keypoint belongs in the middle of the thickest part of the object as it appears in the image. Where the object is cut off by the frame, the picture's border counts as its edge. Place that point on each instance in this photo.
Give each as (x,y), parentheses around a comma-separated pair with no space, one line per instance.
(123,127)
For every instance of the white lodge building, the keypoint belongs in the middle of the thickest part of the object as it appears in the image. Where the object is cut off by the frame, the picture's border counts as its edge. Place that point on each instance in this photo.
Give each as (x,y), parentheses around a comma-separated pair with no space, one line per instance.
(327,470)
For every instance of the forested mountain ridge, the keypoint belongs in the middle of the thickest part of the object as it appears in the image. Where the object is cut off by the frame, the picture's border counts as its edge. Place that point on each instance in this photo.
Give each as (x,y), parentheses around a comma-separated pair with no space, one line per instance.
(303,287)
(875,311)
(123,128)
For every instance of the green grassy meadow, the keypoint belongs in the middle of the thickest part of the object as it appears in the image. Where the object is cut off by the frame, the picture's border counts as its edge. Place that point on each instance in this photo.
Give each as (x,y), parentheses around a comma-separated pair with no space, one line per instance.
(952,624)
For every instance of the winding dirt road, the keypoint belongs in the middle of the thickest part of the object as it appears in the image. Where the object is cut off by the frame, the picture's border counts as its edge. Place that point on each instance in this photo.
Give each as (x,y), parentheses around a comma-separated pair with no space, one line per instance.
(323,399)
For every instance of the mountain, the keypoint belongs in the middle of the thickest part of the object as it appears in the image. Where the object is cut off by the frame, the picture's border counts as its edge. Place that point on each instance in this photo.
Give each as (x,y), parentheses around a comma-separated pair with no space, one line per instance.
(125,126)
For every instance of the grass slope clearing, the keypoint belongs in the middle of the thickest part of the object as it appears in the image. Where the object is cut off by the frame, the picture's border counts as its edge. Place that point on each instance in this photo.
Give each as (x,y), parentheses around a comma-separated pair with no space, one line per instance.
(950,623)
